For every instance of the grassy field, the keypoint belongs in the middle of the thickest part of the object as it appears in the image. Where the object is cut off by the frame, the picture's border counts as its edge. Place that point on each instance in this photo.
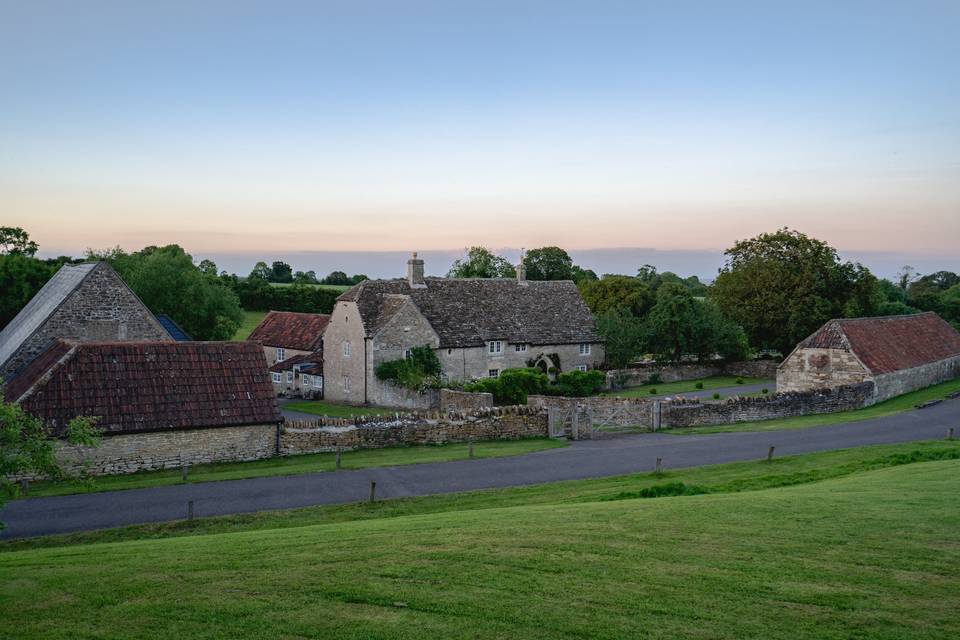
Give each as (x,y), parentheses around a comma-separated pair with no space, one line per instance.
(870,554)
(895,405)
(286,466)
(321,408)
(339,288)
(686,386)
(250,321)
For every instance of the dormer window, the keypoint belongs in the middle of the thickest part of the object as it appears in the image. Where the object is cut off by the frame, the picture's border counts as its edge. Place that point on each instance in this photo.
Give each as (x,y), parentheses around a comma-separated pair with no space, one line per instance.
(495,347)
(281,354)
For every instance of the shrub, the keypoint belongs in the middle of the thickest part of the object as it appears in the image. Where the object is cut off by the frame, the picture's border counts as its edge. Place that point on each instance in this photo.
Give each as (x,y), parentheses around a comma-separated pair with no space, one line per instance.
(420,371)
(716,396)
(765,391)
(698,385)
(578,384)
(654,379)
(739,380)
(513,386)
(653,391)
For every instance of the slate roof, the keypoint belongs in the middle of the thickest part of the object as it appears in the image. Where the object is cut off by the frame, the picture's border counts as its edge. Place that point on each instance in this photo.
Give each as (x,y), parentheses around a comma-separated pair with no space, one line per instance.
(171,327)
(57,289)
(290,330)
(468,312)
(890,343)
(148,386)
(315,360)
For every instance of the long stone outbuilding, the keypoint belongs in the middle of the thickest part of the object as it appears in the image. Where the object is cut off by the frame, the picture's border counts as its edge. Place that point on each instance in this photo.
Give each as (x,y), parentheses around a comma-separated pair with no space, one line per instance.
(898,354)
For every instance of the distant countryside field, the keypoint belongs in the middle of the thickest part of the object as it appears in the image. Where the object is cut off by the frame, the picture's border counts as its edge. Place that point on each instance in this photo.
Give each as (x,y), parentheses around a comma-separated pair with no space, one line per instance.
(339,288)
(250,321)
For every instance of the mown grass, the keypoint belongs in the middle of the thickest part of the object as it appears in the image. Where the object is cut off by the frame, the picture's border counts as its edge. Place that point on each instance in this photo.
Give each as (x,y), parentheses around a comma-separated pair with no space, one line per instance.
(250,321)
(292,465)
(339,288)
(870,555)
(687,386)
(893,406)
(725,478)
(321,408)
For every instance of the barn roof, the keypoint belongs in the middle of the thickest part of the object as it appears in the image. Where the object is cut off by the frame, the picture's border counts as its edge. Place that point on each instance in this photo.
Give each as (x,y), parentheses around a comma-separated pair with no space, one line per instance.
(41,306)
(291,330)
(890,343)
(315,360)
(471,311)
(147,386)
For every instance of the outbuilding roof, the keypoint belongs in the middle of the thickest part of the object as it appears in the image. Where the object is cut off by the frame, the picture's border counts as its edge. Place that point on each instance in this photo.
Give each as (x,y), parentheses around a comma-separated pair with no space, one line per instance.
(890,343)
(314,360)
(291,330)
(147,386)
(468,312)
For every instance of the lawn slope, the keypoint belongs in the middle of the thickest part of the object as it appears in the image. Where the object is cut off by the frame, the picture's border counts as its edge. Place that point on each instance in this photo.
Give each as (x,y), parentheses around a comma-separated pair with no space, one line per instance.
(873,554)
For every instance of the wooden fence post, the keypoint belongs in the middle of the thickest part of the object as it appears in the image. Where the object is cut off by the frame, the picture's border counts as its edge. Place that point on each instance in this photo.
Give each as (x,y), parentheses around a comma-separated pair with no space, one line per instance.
(770,454)
(950,433)
(190,510)
(184,472)
(338,457)
(470,448)
(373,491)
(659,468)
(24,486)
(575,423)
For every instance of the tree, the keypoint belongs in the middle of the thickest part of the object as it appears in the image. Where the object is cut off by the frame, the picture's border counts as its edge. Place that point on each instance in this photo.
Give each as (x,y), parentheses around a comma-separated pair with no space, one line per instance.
(338,278)
(906,275)
(261,272)
(480,262)
(548,263)
(168,282)
(358,278)
(780,287)
(15,241)
(925,293)
(208,267)
(305,277)
(950,301)
(669,327)
(583,275)
(280,271)
(621,293)
(21,277)
(26,449)
(623,335)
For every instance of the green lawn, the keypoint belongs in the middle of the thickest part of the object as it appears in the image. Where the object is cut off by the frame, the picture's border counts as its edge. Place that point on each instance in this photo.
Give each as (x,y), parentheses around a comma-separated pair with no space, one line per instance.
(869,555)
(686,386)
(321,408)
(250,321)
(899,404)
(292,465)
(339,288)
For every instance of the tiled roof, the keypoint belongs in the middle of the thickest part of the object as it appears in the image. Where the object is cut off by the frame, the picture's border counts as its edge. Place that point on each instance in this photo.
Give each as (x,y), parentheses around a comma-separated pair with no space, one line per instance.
(148,386)
(468,312)
(290,330)
(57,289)
(315,359)
(890,343)
(172,328)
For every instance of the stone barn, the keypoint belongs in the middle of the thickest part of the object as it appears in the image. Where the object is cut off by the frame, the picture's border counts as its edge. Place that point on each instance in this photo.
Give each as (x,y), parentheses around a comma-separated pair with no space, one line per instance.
(84,302)
(898,354)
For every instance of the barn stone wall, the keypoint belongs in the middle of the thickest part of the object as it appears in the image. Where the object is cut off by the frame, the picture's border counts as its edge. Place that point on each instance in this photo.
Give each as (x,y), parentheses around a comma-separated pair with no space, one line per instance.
(809,368)
(102,308)
(907,380)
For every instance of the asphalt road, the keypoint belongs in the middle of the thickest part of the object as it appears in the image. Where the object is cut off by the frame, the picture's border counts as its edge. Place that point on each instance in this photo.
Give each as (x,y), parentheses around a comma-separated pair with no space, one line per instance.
(584,459)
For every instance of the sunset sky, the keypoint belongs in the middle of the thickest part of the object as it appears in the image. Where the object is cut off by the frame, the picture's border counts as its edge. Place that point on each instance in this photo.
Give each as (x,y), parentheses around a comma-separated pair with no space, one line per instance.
(238,128)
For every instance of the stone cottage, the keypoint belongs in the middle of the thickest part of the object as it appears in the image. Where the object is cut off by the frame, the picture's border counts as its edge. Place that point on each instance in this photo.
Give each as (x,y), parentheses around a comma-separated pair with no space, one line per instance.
(159,404)
(284,334)
(299,376)
(477,327)
(898,354)
(83,302)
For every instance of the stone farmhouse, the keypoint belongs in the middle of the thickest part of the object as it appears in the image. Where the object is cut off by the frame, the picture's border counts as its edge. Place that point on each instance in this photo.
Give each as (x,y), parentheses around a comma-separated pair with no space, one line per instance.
(84,302)
(283,334)
(478,328)
(898,354)
(159,404)
(299,376)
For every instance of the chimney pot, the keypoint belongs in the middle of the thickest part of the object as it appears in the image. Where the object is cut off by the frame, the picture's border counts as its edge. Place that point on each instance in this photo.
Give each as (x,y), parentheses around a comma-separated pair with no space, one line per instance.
(415,273)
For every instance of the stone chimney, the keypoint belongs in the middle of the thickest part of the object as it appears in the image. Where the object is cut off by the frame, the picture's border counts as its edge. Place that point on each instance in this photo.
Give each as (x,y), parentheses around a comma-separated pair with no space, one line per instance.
(415,272)
(521,270)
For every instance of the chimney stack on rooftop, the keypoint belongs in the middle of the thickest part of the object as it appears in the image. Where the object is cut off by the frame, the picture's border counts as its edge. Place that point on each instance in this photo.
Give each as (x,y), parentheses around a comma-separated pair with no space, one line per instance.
(521,270)
(415,272)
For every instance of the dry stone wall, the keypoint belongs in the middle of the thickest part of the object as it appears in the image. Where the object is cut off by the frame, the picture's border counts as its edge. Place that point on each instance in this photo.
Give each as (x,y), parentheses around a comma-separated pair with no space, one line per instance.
(464,401)
(638,375)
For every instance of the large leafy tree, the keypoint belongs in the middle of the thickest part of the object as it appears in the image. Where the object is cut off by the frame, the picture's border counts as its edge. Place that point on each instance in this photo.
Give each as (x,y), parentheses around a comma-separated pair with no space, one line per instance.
(280,271)
(168,282)
(548,263)
(480,262)
(926,292)
(780,287)
(680,325)
(16,241)
(623,336)
(616,293)
(21,277)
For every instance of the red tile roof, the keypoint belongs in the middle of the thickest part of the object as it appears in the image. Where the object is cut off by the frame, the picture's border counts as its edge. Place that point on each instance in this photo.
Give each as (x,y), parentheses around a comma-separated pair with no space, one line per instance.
(148,386)
(315,358)
(890,343)
(290,330)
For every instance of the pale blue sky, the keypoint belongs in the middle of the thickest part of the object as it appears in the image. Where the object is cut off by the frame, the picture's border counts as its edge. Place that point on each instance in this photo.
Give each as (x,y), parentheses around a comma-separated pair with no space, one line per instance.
(274,126)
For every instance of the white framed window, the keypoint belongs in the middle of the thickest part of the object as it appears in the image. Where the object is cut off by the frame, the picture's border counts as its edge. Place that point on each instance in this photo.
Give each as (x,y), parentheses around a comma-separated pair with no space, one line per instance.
(584,348)
(289,377)
(581,367)
(346,349)
(494,373)
(304,380)
(520,347)
(318,382)
(281,354)
(277,377)
(346,383)
(495,347)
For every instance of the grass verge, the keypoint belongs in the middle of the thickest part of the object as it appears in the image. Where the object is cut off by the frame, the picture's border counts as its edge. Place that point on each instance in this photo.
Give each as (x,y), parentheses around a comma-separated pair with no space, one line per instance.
(892,406)
(292,465)
(687,386)
(871,555)
(725,478)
